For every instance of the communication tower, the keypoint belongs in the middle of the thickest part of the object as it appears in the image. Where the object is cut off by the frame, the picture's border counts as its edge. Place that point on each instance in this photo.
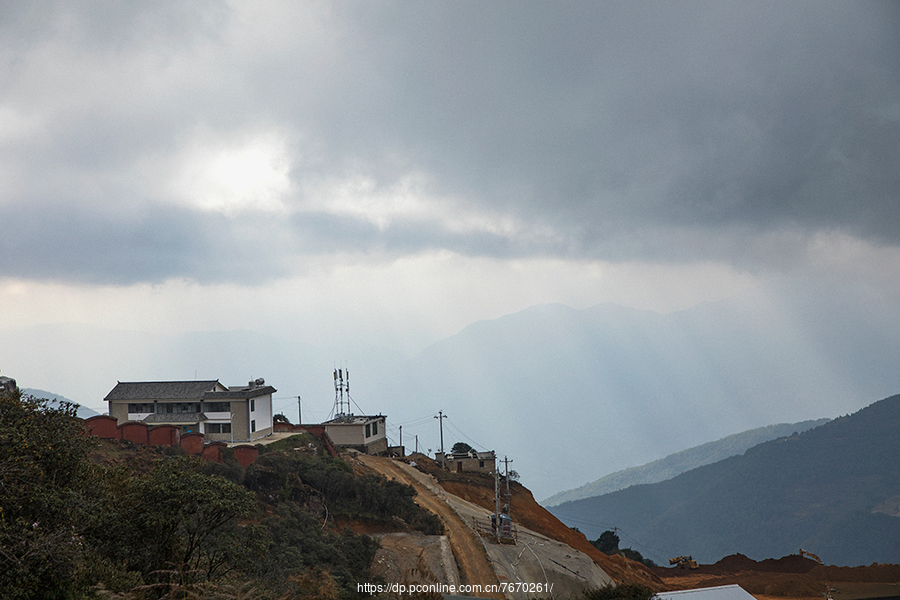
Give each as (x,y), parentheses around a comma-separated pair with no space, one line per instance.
(341,393)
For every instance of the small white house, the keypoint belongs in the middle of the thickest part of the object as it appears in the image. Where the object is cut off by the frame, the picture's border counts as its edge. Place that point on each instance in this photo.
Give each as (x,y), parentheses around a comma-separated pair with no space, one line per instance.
(469,462)
(362,432)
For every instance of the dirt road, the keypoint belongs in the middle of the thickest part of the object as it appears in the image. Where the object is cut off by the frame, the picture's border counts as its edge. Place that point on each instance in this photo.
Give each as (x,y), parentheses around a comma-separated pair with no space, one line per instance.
(474,565)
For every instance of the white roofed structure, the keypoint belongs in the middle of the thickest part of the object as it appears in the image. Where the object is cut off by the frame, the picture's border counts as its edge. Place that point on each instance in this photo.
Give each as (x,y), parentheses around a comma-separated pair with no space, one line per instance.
(721,592)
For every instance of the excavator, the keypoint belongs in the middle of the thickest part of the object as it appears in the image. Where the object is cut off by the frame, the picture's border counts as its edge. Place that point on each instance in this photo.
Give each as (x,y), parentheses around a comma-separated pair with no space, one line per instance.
(810,555)
(684,562)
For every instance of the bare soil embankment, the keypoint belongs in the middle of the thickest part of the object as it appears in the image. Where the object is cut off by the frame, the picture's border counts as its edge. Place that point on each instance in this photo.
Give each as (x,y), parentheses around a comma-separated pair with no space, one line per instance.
(414,558)
(532,567)
(791,576)
(474,566)
(479,489)
(794,577)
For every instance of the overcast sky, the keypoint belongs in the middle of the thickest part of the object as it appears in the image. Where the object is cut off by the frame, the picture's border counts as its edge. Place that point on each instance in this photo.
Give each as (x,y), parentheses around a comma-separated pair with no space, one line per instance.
(388,172)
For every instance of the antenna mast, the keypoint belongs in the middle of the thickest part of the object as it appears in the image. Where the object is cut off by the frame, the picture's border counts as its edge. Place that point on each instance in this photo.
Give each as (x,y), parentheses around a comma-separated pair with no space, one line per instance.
(341,389)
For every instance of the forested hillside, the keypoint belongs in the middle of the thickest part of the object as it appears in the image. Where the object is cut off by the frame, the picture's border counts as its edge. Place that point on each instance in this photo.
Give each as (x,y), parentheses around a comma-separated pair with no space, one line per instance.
(833,490)
(87,518)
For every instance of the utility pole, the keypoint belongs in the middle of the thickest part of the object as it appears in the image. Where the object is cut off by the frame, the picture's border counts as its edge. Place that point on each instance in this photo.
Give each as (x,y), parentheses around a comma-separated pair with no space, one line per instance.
(401,440)
(417,443)
(497,521)
(506,462)
(299,411)
(440,417)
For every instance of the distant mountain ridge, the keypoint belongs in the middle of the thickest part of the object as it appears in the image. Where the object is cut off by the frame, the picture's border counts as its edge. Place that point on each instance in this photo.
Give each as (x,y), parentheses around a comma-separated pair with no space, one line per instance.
(833,490)
(83,411)
(679,462)
(569,394)
(610,387)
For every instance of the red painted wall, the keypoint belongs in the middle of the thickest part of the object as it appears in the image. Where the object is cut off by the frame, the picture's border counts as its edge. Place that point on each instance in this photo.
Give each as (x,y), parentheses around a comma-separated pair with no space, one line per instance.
(192,443)
(212,452)
(246,455)
(102,426)
(135,432)
(164,435)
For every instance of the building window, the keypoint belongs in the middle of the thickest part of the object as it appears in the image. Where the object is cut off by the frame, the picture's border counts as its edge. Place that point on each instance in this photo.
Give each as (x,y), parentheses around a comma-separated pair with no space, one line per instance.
(140,408)
(368,430)
(218,406)
(218,428)
(252,425)
(252,404)
(481,463)
(375,428)
(172,407)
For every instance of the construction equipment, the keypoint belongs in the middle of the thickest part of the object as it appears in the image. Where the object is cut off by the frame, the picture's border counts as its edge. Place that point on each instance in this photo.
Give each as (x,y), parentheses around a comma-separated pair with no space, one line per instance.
(810,555)
(684,562)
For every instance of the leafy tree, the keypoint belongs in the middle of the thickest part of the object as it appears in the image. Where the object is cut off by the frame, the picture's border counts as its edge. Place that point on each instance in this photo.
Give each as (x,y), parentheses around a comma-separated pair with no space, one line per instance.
(183,517)
(302,552)
(608,542)
(461,448)
(43,479)
(344,493)
(636,556)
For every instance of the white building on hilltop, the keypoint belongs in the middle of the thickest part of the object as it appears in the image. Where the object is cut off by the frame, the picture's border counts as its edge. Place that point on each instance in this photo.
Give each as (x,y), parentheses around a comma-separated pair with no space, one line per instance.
(240,413)
(365,433)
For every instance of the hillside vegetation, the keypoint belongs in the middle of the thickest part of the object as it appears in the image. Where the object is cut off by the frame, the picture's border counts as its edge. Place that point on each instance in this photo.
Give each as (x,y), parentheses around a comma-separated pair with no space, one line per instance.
(82,412)
(832,490)
(88,518)
(679,462)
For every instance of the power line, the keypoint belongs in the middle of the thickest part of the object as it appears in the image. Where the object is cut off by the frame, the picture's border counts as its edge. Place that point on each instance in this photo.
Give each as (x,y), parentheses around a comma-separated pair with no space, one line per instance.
(590,523)
(618,531)
(418,421)
(459,432)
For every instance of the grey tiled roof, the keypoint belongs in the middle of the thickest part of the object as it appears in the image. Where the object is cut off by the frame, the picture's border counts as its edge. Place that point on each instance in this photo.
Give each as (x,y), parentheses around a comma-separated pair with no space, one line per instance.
(161,390)
(353,419)
(175,418)
(240,393)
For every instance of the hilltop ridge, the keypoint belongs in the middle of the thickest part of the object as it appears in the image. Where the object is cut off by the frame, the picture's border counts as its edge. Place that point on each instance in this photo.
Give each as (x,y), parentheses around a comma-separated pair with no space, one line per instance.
(679,462)
(834,490)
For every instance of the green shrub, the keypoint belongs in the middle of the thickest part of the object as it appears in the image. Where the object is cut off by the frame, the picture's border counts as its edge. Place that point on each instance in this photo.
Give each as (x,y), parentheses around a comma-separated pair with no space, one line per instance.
(298,544)
(347,494)
(44,476)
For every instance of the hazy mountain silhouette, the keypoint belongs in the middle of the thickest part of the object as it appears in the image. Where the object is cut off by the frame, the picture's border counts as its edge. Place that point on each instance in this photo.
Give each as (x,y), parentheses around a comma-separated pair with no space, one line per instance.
(83,411)
(679,462)
(575,394)
(569,394)
(833,490)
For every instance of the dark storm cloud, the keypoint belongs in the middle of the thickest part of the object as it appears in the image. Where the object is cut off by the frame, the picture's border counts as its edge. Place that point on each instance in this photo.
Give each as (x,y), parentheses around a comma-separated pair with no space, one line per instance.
(765,114)
(110,25)
(613,130)
(323,233)
(70,244)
